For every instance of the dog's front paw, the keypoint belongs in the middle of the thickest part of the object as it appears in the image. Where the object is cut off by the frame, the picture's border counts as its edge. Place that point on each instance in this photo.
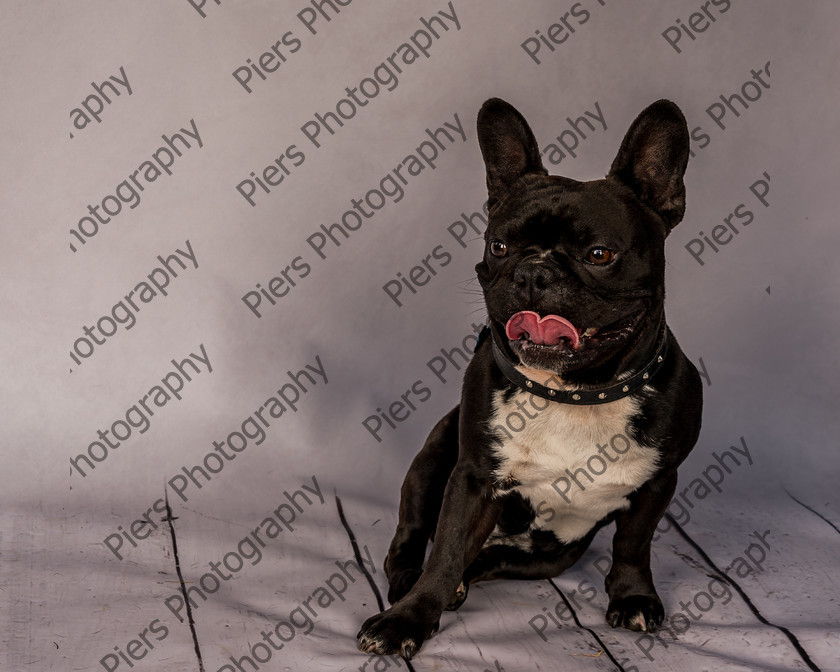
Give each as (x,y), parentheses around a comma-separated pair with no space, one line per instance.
(636,612)
(395,631)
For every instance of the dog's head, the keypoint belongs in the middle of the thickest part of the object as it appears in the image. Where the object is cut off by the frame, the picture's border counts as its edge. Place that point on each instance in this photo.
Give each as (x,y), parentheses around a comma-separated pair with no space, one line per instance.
(573,272)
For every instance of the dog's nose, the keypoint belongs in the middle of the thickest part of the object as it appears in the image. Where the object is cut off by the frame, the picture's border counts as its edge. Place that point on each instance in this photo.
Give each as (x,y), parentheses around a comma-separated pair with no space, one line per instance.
(534,278)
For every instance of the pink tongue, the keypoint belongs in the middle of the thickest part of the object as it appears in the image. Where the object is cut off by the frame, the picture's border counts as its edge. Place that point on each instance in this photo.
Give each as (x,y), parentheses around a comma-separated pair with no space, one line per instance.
(548,330)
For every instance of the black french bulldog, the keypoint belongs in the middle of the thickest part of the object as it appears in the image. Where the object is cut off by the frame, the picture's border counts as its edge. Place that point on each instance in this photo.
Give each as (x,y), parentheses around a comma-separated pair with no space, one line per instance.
(578,405)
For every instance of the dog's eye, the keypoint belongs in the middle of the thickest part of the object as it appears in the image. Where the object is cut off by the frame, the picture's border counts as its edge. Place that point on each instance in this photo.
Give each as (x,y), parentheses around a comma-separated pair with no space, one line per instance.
(498,248)
(600,256)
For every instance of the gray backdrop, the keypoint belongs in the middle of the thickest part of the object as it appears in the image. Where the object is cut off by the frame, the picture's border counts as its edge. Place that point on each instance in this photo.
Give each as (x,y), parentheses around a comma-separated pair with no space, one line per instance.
(238,251)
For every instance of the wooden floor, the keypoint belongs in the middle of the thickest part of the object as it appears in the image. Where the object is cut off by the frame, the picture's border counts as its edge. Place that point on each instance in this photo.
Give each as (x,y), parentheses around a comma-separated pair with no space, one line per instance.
(744,589)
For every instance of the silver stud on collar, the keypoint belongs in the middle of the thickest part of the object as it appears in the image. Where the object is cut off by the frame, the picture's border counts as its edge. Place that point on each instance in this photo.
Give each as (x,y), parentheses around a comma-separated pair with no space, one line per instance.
(551,392)
(626,388)
(659,359)
(603,395)
(646,376)
(529,384)
(576,397)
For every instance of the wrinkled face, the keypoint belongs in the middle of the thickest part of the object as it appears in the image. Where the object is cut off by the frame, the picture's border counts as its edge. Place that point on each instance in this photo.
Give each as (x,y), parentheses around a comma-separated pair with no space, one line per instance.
(570,270)
(573,272)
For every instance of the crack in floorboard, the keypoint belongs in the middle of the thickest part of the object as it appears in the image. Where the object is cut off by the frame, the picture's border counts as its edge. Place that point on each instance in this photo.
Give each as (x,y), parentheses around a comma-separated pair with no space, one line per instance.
(594,634)
(358,555)
(726,579)
(170,520)
(814,511)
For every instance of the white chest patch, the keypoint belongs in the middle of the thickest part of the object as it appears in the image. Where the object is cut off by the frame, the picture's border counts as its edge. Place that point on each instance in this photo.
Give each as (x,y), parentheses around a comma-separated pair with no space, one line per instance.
(575,464)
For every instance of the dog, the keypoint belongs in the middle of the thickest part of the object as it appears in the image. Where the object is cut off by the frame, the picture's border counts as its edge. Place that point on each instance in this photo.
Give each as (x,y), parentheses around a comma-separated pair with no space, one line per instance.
(578,405)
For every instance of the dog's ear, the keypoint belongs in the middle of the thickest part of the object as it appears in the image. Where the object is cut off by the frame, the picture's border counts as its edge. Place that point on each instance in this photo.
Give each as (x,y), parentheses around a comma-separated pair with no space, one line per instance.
(507,145)
(652,160)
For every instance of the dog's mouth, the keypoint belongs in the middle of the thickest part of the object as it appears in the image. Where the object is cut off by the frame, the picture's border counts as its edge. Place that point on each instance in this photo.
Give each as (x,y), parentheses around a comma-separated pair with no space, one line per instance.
(528,332)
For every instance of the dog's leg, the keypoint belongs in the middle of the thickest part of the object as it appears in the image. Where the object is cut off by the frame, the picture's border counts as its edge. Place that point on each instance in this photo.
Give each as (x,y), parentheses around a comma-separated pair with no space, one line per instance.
(634,603)
(467,517)
(541,561)
(524,556)
(420,502)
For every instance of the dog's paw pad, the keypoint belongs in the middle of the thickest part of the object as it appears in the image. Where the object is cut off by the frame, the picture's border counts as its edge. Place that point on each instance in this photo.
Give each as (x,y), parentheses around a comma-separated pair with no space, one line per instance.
(641,613)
